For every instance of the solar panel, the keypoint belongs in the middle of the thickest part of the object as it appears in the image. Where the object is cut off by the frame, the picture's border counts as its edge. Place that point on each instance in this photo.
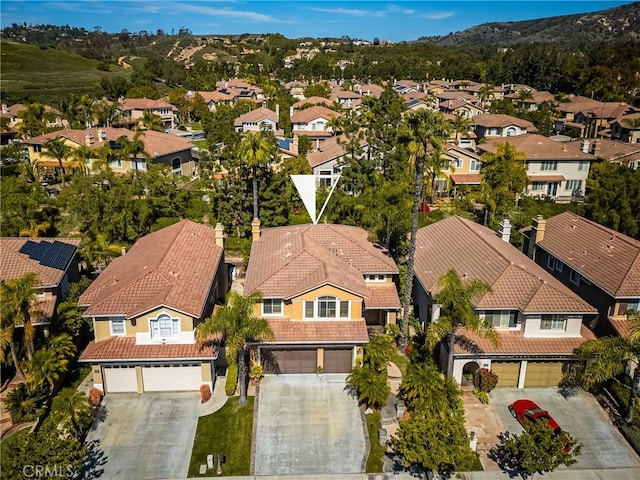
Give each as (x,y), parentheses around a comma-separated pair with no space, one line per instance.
(29,247)
(54,254)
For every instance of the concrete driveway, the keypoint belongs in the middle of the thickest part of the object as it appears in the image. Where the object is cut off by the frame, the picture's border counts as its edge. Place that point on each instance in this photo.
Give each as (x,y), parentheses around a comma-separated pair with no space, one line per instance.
(307,425)
(146,436)
(581,416)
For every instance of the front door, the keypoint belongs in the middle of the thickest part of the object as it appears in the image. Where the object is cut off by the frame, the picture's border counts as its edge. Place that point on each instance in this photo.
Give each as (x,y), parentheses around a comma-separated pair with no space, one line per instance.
(552,189)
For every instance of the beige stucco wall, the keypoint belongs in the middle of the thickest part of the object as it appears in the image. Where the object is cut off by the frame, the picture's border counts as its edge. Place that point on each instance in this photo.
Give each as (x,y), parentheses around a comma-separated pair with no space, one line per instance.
(102,330)
(96,370)
(206,369)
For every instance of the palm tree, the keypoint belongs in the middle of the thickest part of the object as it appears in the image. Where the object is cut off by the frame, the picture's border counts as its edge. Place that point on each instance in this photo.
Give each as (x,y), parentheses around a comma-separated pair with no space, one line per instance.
(254,150)
(60,151)
(238,324)
(45,368)
(377,352)
(486,92)
(420,130)
(30,170)
(18,296)
(151,121)
(72,411)
(34,229)
(423,388)
(83,154)
(460,125)
(99,251)
(134,148)
(434,164)
(371,387)
(455,299)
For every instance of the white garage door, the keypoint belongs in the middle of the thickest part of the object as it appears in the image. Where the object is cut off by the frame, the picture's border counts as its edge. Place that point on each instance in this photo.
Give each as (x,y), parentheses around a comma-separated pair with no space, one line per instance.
(120,379)
(172,378)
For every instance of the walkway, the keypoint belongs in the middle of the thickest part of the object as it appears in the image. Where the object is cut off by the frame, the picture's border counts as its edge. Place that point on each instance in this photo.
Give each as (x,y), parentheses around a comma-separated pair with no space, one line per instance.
(217,400)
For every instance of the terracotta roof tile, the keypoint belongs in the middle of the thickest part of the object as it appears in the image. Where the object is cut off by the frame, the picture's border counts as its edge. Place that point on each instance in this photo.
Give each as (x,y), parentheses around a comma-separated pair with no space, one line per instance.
(501,120)
(338,331)
(287,261)
(16,261)
(312,113)
(514,343)
(257,115)
(603,256)
(330,149)
(312,101)
(477,252)
(144,104)
(382,296)
(174,266)
(466,178)
(622,326)
(125,348)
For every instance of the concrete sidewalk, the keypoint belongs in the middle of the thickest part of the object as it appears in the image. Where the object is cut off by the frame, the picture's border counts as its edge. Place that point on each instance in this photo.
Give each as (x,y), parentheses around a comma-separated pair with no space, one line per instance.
(217,400)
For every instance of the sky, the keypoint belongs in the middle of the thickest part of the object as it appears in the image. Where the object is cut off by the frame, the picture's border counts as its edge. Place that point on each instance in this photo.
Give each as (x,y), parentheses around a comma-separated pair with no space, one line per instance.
(385,20)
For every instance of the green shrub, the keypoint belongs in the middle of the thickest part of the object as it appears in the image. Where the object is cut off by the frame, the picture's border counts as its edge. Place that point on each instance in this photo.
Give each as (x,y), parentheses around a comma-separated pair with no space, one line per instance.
(104,67)
(256,372)
(232,380)
(376,452)
(240,246)
(24,404)
(482,396)
(486,380)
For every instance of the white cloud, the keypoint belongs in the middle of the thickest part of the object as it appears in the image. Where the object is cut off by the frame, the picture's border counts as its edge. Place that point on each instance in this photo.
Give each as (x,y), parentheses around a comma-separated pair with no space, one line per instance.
(438,15)
(175,8)
(398,9)
(343,11)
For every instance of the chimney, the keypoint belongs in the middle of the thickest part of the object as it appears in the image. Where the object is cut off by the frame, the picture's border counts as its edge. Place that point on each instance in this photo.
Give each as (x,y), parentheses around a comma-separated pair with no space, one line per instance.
(255,229)
(505,230)
(293,146)
(5,109)
(584,146)
(291,111)
(596,148)
(219,235)
(123,250)
(88,139)
(277,111)
(538,226)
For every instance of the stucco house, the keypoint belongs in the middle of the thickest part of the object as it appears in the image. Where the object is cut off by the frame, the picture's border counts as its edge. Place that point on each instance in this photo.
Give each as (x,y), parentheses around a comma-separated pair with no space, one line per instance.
(326,158)
(323,287)
(53,260)
(626,128)
(132,110)
(146,305)
(464,169)
(256,120)
(599,264)
(313,122)
(538,319)
(492,126)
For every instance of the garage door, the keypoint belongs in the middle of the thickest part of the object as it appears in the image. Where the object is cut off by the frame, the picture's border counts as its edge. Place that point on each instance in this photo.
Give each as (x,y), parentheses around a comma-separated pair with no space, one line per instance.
(508,373)
(288,360)
(173,378)
(120,379)
(339,360)
(543,374)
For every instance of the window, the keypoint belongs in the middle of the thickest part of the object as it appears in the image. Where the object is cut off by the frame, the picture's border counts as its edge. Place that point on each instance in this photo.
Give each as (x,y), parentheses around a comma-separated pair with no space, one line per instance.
(574,277)
(272,306)
(475,165)
(37,148)
(165,327)
(550,165)
(501,318)
(375,278)
(175,165)
(511,131)
(573,185)
(325,182)
(115,163)
(537,186)
(458,162)
(584,165)
(554,263)
(626,307)
(326,307)
(117,326)
(553,322)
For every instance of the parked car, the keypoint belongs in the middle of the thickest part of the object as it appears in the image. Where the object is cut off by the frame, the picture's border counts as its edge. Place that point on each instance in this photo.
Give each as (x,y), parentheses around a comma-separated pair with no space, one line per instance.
(527,411)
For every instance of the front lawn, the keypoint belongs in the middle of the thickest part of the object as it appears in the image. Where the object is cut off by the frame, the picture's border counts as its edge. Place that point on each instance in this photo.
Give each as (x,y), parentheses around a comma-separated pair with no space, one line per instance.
(401,361)
(374,462)
(227,431)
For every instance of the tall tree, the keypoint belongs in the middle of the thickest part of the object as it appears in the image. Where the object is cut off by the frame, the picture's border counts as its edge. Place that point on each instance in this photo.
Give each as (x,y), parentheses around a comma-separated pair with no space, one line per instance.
(151,121)
(133,149)
(18,296)
(456,311)
(58,149)
(254,150)
(71,411)
(420,131)
(460,126)
(371,387)
(238,324)
(424,389)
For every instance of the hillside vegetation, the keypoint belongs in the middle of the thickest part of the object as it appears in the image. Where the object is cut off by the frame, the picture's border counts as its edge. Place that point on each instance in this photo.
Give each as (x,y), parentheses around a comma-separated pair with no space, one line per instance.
(46,74)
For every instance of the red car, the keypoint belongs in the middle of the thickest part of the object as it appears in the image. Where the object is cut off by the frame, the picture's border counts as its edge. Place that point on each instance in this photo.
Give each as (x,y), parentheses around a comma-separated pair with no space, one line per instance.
(526,411)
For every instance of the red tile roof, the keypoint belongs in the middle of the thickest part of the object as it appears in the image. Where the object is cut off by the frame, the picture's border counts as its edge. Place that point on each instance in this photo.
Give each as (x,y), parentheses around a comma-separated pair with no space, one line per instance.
(622,326)
(515,343)
(501,120)
(287,261)
(330,149)
(466,178)
(125,348)
(144,104)
(603,256)
(15,264)
(537,147)
(474,251)
(338,331)
(174,267)
(382,296)
(545,178)
(313,113)
(257,115)
(312,101)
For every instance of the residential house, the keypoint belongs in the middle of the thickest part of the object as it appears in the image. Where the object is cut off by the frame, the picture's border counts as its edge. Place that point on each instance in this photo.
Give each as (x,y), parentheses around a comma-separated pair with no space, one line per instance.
(241,90)
(464,169)
(626,128)
(368,89)
(553,169)
(131,111)
(313,122)
(310,102)
(296,89)
(53,260)
(599,264)
(163,148)
(612,151)
(589,117)
(256,120)
(327,157)
(145,307)
(531,104)
(539,321)
(492,126)
(322,286)
(460,107)
(347,99)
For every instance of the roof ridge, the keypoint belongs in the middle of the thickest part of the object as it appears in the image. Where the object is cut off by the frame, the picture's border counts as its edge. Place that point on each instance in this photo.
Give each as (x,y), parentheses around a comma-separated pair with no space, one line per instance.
(625,238)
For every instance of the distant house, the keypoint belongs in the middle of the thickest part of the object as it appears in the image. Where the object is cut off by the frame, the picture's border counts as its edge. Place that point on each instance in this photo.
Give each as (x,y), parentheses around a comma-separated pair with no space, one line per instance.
(460,107)
(327,157)
(256,120)
(145,307)
(538,319)
(313,122)
(553,169)
(347,99)
(590,118)
(464,169)
(492,126)
(53,260)
(322,287)
(132,110)
(626,128)
(612,151)
(599,264)
(311,101)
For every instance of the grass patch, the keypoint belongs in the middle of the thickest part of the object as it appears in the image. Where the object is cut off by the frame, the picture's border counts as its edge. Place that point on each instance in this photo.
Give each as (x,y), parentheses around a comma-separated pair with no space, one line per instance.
(477,465)
(76,375)
(202,143)
(401,361)
(374,462)
(226,431)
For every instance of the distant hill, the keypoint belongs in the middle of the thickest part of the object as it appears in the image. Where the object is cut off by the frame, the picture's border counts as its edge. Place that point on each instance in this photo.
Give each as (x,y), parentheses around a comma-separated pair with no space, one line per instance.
(620,23)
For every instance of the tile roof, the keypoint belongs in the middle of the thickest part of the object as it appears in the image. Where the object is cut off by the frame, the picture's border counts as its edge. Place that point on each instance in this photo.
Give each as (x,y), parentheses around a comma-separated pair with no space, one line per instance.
(515,343)
(501,120)
(174,267)
(603,256)
(144,104)
(382,296)
(545,178)
(287,261)
(312,101)
(125,348)
(48,257)
(466,178)
(330,149)
(43,309)
(537,147)
(475,251)
(334,331)
(313,113)
(257,115)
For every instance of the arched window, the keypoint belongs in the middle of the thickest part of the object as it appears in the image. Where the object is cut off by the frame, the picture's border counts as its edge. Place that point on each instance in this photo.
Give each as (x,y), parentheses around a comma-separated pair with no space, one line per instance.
(175,165)
(511,131)
(164,327)
(326,307)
